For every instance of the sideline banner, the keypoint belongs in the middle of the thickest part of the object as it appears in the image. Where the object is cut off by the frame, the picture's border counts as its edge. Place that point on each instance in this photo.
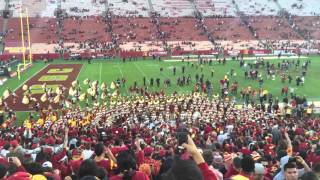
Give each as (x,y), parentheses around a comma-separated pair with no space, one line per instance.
(260,51)
(285,51)
(309,51)
(158,53)
(234,52)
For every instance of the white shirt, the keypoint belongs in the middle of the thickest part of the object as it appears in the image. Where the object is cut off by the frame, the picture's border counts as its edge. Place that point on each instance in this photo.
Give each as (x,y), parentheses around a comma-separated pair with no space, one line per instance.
(4,152)
(87,154)
(196,115)
(230,128)
(221,138)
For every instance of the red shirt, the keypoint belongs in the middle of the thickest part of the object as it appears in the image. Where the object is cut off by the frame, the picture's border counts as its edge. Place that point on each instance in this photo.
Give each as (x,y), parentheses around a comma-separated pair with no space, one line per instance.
(313,158)
(137,176)
(2,142)
(57,157)
(207,129)
(299,131)
(303,146)
(231,172)
(115,150)
(140,157)
(154,163)
(206,172)
(60,165)
(74,166)
(104,164)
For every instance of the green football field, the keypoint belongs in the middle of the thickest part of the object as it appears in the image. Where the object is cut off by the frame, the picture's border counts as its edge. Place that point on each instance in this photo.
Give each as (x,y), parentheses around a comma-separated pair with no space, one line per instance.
(110,70)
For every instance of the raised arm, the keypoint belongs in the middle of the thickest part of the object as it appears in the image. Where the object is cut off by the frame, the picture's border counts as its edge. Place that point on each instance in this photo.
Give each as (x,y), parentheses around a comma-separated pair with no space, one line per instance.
(286,135)
(305,165)
(110,155)
(197,157)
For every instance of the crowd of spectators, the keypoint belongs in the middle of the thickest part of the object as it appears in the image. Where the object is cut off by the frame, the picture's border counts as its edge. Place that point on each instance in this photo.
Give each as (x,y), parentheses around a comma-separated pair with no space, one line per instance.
(154,136)
(274,32)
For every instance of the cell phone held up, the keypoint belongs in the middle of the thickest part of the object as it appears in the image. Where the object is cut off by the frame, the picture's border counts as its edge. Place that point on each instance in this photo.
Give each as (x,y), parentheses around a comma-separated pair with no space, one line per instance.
(182,137)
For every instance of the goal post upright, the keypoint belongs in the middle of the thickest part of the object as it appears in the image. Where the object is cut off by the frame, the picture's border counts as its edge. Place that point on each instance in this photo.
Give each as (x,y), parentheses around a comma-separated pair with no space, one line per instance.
(29,38)
(22,39)
(24,64)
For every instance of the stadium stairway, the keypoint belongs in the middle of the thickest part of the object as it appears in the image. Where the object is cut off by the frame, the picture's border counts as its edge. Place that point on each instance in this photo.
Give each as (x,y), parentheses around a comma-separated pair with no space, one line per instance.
(286,15)
(151,9)
(200,17)
(244,20)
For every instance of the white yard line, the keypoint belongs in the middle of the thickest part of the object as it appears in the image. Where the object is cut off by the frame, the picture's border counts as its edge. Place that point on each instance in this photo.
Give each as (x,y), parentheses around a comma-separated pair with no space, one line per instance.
(122,77)
(100,73)
(141,72)
(31,77)
(120,70)
(79,72)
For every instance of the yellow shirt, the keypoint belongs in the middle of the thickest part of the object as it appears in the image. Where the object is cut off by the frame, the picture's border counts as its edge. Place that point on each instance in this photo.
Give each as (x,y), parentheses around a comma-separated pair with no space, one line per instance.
(72,123)
(54,118)
(288,111)
(27,124)
(239,177)
(40,122)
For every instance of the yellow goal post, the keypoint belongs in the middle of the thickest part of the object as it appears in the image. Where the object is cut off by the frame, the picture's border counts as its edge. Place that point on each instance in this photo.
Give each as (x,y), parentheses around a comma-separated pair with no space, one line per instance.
(25,64)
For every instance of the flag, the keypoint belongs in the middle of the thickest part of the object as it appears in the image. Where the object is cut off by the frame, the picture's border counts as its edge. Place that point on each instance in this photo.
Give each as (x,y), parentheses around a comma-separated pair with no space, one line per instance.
(115,93)
(24,87)
(6,94)
(113,85)
(265,92)
(103,95)
(58,91)
(68,104)
(82,96)
(72,92)
(43,86)
(94,83)
(103,86)
(86,81)
(96,104)
(25,100)
(56,99)
(74,83)
(43,97)
(89,91)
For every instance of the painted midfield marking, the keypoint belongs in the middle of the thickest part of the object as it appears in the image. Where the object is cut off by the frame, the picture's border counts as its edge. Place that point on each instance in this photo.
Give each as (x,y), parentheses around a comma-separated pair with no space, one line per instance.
(30,77)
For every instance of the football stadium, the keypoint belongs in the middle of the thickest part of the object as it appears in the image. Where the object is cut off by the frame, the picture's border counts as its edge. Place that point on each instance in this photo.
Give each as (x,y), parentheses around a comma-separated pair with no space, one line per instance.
(159,90)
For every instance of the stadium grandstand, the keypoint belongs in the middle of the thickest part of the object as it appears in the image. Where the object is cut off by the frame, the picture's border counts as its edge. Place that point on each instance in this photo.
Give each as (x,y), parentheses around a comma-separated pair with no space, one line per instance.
(159,90)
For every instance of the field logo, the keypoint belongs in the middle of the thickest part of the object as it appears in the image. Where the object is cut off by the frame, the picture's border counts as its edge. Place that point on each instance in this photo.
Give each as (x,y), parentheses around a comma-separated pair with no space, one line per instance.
(46,78)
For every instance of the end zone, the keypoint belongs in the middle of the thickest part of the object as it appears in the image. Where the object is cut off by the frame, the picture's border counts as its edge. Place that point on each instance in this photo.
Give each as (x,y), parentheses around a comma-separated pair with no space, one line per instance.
(53,75)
